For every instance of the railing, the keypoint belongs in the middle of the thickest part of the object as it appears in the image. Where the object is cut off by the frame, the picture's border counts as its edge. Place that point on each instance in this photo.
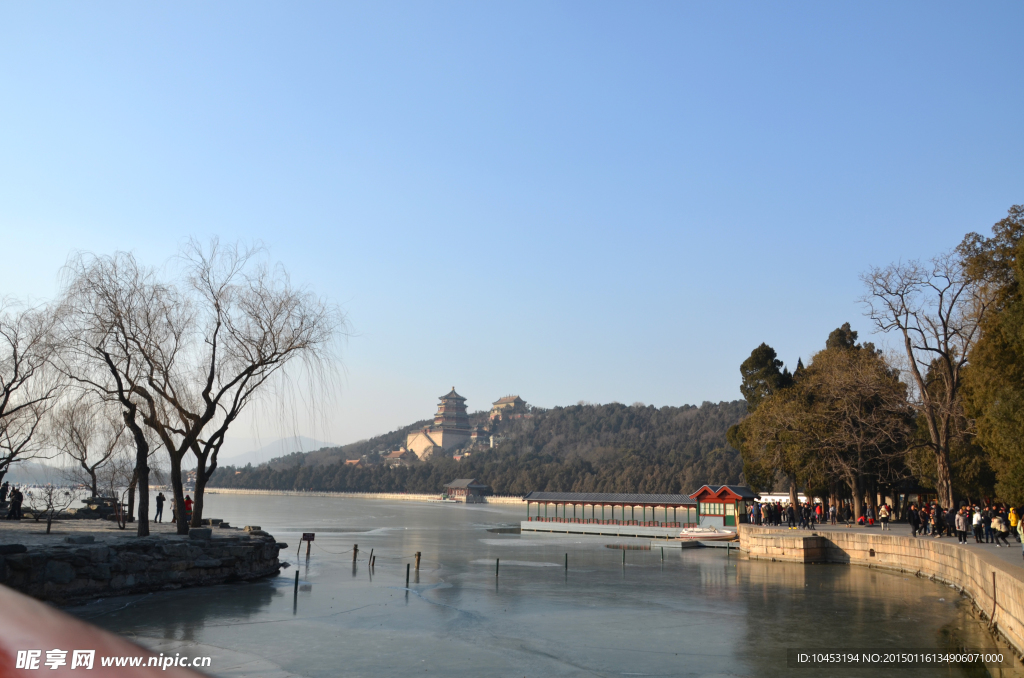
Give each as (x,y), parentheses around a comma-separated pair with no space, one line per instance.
(600,521)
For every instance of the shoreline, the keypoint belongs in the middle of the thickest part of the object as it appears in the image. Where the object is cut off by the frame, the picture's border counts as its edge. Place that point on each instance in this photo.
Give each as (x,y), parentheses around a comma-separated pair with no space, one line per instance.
(81,560)
(392,496)
(994,586)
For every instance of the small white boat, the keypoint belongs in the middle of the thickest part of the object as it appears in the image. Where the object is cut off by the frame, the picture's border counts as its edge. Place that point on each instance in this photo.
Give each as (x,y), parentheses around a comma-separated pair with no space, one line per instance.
(705,534)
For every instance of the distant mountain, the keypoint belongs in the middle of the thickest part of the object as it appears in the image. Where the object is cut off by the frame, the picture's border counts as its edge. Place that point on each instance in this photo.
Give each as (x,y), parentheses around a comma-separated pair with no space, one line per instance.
(278,448)
(34,473)
(580,448)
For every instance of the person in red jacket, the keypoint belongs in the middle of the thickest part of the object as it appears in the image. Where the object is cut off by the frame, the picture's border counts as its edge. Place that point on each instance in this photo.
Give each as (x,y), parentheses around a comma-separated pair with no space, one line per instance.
(188,509)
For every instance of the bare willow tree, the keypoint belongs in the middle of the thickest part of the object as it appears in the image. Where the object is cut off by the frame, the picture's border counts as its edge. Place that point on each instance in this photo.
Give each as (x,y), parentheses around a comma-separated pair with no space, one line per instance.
(936,309)
(111,312)
(194,354)
(28,386)
(89,434)
(245,324)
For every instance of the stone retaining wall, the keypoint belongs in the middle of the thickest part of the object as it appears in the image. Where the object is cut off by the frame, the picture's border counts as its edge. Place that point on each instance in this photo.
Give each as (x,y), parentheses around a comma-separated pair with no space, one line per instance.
(996,587)
(81,571)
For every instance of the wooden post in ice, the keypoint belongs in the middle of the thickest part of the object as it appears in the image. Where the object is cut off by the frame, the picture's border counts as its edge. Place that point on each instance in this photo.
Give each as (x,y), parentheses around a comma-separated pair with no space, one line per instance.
(355,552)
(497,565)
(407,575)
(417,561)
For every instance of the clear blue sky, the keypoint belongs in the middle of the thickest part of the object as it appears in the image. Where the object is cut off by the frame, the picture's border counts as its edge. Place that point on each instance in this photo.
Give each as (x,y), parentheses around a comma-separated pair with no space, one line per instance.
(569,201)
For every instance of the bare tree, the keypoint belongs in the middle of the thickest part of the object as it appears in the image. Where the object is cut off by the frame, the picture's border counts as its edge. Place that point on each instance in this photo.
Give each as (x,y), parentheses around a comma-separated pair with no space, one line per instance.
(115,478)
(936,309)
(89,433)
(188,358)
(28,387)
(111,311)
(48,501)
(245,324)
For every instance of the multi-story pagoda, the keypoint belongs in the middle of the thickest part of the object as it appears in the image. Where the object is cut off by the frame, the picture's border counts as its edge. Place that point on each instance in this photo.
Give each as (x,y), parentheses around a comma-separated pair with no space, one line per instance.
(451,413)
(450,429)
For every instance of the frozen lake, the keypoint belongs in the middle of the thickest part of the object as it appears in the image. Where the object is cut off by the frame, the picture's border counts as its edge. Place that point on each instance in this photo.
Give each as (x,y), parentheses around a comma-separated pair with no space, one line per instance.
(699,612)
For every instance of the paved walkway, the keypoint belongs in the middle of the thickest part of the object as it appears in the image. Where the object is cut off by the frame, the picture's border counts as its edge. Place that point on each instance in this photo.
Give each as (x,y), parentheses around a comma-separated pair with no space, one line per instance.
(31,533)
(1012,555)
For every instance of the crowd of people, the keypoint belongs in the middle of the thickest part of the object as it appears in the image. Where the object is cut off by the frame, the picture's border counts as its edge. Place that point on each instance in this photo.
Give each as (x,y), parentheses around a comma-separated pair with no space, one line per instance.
(989,524)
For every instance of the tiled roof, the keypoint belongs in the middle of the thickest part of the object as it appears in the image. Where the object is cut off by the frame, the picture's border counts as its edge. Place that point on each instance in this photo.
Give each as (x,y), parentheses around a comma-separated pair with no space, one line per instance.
(451,394)
(465,482)
(613,498)
(742,490)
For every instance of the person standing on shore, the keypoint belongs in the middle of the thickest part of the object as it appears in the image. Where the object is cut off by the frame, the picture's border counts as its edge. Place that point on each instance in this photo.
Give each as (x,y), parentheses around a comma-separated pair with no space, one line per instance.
(188,509)
(1020,534)
(914,518)
(832,513)
(160,499)
(937,522)
(961,527)
(16,499)
(4,489)
(1013,523)
(883,516)
(976,524)
(986,524)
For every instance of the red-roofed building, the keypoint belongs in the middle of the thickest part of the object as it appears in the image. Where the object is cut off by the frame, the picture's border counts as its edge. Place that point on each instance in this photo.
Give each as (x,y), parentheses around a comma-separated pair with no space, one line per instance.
(723,505)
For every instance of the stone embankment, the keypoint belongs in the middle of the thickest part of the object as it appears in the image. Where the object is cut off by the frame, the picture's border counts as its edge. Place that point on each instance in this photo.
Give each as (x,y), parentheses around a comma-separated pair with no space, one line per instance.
(83,567)
(392,496)
(994,585)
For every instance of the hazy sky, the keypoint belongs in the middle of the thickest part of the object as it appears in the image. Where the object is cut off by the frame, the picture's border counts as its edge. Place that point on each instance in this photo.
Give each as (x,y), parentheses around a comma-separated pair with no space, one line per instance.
(569,201)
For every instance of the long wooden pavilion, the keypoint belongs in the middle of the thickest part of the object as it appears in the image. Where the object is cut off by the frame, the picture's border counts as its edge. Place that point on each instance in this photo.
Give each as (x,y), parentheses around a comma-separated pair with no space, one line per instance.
(606,508)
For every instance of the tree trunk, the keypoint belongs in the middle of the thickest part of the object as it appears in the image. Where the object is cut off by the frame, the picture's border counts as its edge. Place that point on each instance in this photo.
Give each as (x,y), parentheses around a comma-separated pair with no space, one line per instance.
(131,498)
(49,521)
(944,478)
(92,476)
(873,498)
(856,496)
(179,494)
(141,474)
(200,492)
(792,492)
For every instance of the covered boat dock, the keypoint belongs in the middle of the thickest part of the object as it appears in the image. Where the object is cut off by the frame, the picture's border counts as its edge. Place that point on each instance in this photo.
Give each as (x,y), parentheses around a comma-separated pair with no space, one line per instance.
(647,515)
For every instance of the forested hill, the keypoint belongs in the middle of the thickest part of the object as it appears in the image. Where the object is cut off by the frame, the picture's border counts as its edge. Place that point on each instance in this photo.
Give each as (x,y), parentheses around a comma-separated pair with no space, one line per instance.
(581,448)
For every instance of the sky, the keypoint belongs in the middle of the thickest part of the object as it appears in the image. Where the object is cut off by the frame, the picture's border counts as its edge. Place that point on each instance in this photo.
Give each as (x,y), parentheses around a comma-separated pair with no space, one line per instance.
(567,201)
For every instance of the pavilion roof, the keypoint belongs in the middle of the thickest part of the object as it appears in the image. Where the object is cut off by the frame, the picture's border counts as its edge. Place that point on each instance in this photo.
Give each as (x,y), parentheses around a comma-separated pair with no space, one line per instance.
(451,395)
(626,499)
(741,491)
(465,482)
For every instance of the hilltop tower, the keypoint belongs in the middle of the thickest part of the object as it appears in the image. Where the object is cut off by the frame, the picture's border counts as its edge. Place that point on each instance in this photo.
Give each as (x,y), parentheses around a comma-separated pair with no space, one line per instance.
(450,429)
(451,413)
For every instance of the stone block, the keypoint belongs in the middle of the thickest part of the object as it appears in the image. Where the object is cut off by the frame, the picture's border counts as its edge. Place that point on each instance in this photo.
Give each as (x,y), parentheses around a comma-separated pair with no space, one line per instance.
(11,549)
(59,572)
(252,528)
(207,562)
(203,533)
(80,539)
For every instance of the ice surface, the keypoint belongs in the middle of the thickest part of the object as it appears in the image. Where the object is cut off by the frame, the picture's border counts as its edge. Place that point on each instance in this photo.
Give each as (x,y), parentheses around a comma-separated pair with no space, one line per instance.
(701,612)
